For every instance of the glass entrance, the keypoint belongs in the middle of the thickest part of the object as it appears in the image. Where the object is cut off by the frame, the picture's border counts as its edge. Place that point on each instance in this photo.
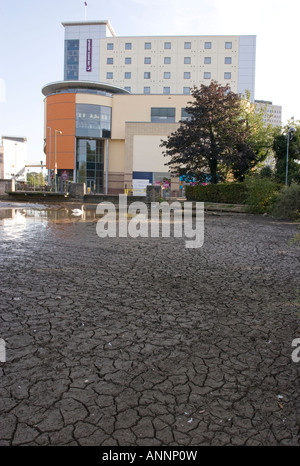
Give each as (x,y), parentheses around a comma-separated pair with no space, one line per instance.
(90,163)
(90,186)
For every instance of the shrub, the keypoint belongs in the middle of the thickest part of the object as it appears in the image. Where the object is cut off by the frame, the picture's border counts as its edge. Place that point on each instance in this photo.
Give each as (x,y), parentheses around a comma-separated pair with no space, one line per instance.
(287,203)
(266,172)
(261,193)
(231,193)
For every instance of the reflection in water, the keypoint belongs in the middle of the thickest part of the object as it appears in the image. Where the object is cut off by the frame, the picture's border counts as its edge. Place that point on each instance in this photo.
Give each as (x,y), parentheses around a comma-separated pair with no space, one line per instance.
(15,219)
(56,214)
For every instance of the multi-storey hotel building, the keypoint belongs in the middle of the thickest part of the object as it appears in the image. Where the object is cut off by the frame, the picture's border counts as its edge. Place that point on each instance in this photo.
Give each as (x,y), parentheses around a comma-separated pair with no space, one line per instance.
(122,95)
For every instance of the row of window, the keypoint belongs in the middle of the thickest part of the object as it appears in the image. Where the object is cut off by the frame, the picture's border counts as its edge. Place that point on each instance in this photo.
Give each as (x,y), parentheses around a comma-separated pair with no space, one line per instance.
(167,114)
(166,90)
(167,45)
(167,60)
(167,75)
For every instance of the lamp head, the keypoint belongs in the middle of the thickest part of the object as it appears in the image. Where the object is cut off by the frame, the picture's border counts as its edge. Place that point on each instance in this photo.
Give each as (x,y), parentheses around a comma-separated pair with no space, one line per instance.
(291,132)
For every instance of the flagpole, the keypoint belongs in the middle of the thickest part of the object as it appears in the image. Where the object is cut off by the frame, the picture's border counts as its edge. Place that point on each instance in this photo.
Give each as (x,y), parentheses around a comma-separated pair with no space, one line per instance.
(85,11)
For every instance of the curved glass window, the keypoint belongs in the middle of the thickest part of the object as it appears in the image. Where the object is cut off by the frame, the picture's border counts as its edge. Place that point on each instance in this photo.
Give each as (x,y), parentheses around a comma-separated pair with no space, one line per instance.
(81,91)
(93,121)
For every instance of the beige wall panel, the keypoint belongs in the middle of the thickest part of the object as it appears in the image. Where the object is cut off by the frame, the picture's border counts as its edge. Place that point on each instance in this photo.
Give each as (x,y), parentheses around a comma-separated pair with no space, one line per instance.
(137,108)
(147,155)
(94,99)
(144,129)
(116,156)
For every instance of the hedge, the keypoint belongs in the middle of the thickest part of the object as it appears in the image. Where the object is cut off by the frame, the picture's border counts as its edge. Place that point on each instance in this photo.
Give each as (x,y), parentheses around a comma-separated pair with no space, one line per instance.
(227,193)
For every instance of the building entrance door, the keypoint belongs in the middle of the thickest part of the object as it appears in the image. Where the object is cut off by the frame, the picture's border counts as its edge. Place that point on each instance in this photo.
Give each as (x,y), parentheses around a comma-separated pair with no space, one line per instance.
(90,186)
(90,164)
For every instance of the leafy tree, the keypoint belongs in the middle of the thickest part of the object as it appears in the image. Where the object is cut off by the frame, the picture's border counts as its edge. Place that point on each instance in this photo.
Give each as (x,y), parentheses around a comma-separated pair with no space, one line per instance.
(35,179)
(217,137)
(261,133)
(280,149)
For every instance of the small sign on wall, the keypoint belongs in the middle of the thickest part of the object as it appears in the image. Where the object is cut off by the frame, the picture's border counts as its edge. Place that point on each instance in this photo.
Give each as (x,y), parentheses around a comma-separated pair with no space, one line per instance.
(139,187)
(89,55)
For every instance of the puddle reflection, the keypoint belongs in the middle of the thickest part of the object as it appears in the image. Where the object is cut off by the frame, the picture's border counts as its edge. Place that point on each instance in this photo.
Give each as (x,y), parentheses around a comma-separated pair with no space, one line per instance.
(54,214)
(18,218)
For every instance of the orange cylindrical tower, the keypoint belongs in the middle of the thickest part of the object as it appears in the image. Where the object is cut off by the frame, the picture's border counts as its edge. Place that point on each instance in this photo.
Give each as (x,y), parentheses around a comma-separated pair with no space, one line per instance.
(60,117)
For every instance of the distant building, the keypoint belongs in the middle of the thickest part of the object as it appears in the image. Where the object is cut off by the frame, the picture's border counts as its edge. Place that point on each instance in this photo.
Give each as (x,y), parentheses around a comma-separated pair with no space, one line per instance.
(273,113)
(14,153)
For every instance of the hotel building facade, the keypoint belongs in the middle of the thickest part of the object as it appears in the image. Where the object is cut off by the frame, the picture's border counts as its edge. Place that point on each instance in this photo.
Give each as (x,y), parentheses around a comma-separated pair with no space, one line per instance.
(122,95)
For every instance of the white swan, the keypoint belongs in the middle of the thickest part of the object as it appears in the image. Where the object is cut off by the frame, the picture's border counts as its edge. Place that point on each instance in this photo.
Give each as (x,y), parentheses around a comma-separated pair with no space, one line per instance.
(77,211)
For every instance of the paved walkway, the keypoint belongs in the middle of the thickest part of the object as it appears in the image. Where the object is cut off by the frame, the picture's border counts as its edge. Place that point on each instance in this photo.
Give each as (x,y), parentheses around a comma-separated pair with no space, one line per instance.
(144,342)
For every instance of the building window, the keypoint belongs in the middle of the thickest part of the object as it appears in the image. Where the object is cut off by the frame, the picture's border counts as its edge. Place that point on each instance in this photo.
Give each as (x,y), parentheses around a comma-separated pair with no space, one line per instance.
(148,45)
(127,88)
(227,75)
(187,75)
(110,46)
(186,90)
(166,90)
(228,60)
(110,61)
(163,115)
(147,75)
(187,45)
(167,75)
(127,60)
(207,45)
(187,60)
(167,45)
(228,45)
(185,115)
(127,75)
(207,75)
(207,60)
(147,61)
(167,60)
(128,46)
(109,75)
(146,90)
(92,121)
(71,65)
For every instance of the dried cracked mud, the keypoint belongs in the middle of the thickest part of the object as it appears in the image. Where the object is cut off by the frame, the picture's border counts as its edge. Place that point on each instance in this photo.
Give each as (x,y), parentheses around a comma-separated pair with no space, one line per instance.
(128,342)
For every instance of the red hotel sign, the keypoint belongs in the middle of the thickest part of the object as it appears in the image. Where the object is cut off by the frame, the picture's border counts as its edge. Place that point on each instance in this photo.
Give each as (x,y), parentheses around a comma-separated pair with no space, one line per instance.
(89,55)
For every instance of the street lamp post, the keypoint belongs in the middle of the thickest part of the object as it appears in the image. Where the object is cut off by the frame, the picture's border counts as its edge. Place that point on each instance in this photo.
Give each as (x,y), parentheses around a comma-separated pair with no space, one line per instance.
(289,136)
(49,169)
(55,167)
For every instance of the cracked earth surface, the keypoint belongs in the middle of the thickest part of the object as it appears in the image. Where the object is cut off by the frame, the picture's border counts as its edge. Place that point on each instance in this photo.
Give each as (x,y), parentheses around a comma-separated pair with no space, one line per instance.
(143,342)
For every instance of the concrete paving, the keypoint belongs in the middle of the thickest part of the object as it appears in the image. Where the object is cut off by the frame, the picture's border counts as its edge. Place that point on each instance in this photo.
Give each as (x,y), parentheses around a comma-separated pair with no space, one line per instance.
(128,342)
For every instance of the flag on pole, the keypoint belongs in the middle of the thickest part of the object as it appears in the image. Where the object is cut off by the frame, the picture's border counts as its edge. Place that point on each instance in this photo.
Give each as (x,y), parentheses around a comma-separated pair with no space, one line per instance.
(85,3)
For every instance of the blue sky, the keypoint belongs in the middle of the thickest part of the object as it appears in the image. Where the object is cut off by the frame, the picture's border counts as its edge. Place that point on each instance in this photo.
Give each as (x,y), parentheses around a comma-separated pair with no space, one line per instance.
(32,45)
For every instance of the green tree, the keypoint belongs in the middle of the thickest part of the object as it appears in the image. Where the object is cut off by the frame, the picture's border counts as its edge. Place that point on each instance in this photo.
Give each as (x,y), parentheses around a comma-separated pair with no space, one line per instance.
(217,137)
(35,179)
(280,150)
(261,134)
